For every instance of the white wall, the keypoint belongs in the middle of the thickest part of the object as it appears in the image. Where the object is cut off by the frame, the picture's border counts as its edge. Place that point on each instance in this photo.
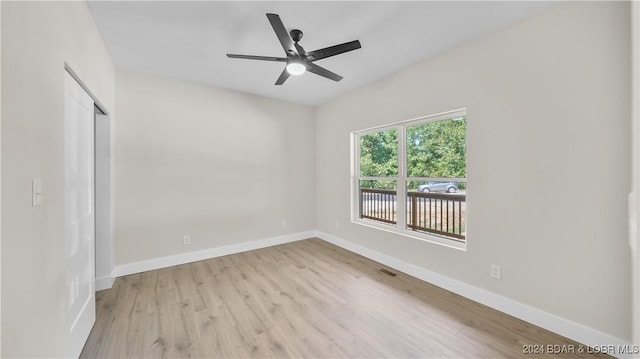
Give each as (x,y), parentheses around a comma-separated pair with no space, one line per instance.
(37,39)
(548,161)
(221,166)
(634,217)
(0,178)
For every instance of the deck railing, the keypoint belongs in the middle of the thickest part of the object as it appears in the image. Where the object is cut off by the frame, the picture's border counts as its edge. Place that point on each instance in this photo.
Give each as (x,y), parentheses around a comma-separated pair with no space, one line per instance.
(438,213)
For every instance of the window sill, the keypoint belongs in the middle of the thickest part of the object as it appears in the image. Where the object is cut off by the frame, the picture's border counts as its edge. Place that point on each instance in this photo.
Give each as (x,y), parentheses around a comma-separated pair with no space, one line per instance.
(430,238)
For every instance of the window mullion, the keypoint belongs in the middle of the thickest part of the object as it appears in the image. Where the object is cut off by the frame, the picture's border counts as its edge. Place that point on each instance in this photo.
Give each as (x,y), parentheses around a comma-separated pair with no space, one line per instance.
(401,185)
(355,177)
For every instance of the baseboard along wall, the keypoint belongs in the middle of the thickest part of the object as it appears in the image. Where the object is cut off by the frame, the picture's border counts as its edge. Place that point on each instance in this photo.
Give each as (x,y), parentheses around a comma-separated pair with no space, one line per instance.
(103,283)
(183,258)
(548,321)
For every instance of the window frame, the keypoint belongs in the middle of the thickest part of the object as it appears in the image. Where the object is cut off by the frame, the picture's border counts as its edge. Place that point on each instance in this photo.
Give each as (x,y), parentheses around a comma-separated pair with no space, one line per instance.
(401,180)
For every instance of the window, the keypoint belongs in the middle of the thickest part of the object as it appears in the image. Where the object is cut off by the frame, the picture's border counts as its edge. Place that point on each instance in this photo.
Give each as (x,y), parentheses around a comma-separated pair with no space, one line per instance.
(410,178)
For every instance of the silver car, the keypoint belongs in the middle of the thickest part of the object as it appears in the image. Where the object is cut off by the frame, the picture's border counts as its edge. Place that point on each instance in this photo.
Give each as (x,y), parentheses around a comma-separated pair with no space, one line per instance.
(449,187)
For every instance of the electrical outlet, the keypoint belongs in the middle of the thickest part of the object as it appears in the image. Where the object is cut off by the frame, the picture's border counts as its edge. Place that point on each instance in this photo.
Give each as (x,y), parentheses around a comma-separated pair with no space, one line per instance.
(496,271)
(186,240)
(283,224)
(336,224)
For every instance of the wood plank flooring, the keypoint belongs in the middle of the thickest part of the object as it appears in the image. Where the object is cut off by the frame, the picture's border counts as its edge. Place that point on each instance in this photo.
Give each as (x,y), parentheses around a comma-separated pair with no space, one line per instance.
(307,299)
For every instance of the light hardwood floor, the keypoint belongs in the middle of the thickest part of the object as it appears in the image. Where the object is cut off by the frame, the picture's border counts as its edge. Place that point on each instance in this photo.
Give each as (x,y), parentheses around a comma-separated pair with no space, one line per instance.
(307,299)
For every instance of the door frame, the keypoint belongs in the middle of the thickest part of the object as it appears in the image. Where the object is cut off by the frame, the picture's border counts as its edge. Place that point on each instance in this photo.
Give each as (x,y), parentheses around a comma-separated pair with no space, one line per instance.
(634,197)
(103,207)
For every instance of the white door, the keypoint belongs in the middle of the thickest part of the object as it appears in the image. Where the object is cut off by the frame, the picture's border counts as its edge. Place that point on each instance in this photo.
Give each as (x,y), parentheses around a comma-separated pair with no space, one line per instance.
(79,213)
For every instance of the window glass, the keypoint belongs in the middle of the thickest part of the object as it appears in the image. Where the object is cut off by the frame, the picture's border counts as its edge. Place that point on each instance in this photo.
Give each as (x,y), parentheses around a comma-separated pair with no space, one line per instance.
(378,200)
(379,154)
(437,149)
(438,208)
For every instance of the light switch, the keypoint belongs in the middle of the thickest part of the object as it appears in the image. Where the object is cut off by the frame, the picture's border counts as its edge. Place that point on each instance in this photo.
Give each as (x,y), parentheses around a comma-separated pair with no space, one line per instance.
(36,192)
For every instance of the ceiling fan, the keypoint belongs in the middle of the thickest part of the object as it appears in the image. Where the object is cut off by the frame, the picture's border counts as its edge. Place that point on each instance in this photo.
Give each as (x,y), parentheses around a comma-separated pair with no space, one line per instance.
(298,61)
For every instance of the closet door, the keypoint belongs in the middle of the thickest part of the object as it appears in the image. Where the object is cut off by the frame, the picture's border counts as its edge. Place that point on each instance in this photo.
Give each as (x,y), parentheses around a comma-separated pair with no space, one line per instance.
(79,213)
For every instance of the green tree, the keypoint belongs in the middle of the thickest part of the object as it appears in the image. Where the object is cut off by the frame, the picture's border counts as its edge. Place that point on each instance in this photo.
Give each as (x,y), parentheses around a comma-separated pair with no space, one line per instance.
(437,149)
(434,149)
(379,158)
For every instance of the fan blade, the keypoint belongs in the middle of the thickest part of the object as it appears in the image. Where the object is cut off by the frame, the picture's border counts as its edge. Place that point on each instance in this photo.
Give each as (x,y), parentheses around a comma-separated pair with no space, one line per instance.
(333,50)
(252,57)
(321,71)
(283,35)
(283,77)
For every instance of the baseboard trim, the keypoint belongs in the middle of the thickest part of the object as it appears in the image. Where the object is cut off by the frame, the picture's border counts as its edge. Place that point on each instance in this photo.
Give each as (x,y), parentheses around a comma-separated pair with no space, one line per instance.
(183,258)
(103,283)
(551,322)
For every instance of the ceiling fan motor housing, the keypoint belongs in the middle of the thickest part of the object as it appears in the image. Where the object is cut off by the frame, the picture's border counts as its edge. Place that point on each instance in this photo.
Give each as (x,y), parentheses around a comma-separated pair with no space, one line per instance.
(296,35)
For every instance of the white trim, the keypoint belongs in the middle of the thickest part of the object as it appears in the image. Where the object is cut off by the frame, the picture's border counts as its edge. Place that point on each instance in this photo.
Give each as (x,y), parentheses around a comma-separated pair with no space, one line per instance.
(401,185)
(103,199)
(421,236)
(355,176)
(634,201)
(374,178)
(96,102)
(103,283)
(437,179)
(1,176)
(551,322)
(183,258)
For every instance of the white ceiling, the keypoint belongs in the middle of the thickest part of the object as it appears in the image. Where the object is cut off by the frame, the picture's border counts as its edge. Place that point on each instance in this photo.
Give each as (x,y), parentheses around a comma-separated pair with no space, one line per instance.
(190,40)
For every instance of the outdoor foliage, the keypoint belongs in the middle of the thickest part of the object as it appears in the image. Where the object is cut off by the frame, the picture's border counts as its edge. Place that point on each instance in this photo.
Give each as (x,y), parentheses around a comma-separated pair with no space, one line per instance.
(437,149)
(379,158)
(434,149)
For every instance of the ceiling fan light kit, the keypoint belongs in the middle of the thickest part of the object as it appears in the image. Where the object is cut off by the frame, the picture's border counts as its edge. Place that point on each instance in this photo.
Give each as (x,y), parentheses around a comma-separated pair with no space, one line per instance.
(298,60)
(296,68)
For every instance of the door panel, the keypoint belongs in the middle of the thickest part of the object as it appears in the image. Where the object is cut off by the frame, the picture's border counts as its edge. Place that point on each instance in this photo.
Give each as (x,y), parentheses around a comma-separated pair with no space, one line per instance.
(79,213)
